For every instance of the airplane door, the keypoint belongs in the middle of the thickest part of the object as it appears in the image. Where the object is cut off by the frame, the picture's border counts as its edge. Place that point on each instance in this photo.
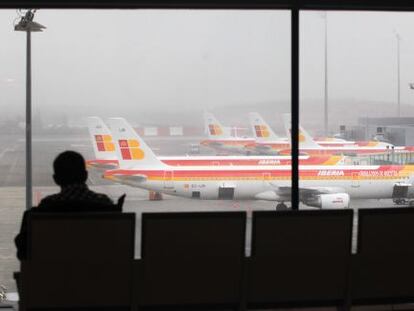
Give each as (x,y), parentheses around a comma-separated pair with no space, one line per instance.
(355,180)
(226,191)
(168,179)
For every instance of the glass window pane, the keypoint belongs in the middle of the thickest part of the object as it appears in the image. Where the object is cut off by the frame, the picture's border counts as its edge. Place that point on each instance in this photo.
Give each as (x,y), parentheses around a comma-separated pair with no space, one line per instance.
(163,71)
(355,102)
(12,146)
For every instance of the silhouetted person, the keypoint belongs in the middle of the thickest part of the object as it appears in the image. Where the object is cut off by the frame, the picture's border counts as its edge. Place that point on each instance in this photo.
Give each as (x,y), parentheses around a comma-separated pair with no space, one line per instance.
(71,175)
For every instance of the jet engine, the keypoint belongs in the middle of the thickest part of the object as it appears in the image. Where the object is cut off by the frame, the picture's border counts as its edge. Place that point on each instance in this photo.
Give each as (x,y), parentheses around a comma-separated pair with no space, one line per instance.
(327,201)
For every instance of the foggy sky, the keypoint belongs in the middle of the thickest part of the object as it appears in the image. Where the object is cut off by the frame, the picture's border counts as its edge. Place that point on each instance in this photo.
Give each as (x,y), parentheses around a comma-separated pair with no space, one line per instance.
(145,64)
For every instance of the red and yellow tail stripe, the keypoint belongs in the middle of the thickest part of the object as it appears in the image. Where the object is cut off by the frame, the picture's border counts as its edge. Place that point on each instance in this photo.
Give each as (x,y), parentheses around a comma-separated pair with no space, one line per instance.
(261,131)
(130,149)
(104,143)
(301,136)
(215,129)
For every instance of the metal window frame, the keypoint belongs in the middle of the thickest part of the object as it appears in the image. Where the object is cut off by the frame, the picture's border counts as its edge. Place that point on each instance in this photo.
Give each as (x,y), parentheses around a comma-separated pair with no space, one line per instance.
(364,5)
(295,6)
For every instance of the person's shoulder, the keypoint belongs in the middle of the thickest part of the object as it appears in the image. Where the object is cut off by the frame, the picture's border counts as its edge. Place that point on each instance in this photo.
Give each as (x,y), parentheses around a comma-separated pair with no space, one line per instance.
(41,208)
(102,202)
(101,197)
(46,201)
(86,200)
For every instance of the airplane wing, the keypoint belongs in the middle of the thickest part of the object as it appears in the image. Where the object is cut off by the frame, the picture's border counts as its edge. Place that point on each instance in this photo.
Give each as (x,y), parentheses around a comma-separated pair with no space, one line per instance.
(130,180)
(102,164)
(263,147)
(133,178)
(216,144)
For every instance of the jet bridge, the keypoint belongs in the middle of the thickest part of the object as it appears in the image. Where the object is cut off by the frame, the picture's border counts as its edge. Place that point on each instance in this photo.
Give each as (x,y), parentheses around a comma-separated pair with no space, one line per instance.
(403,193)
(386,158)
(392,158)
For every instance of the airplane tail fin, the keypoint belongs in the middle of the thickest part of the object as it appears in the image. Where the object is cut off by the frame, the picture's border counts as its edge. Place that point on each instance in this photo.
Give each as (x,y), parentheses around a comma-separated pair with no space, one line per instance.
(214,128)
(101,137)
(132,151)
(305,139)
(261,130)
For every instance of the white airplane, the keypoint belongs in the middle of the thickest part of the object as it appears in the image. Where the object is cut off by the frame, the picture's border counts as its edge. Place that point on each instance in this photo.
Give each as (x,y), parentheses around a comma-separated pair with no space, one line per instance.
(103,145)
(267,142)
(106,156)
(308,145)
(264,133)
(320,186)
(220,139)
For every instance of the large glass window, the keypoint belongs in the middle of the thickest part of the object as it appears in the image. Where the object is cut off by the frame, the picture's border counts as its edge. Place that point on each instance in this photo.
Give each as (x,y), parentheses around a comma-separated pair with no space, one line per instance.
(355,101)
(196,84)
(165,72)
(12,159)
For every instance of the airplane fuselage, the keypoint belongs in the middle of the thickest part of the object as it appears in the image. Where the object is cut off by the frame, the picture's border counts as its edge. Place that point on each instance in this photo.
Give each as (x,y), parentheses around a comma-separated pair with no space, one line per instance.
(225,160)
(347,151)
(360,182)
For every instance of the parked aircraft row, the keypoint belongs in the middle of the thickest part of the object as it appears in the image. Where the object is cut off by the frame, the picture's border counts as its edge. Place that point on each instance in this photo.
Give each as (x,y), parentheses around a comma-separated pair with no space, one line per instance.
(323,186)
(265,141)
(106,155)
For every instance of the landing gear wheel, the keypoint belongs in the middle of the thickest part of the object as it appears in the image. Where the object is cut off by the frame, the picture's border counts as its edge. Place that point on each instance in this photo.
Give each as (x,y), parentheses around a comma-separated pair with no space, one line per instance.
(281,206)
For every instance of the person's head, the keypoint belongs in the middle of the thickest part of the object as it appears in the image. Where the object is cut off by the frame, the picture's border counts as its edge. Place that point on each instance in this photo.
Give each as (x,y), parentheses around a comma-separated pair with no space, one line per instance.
(69,168)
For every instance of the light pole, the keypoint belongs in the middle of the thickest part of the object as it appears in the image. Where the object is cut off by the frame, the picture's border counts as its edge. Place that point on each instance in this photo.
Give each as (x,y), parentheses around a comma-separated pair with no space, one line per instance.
(398,37)
(325,111)
(27,25)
